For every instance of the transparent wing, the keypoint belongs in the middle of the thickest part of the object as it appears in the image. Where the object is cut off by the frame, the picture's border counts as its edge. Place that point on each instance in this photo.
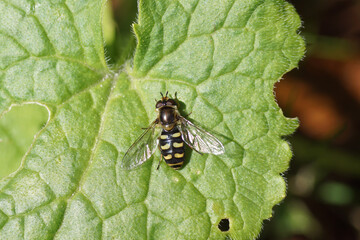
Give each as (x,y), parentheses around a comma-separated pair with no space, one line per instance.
(199,139)
(142,149)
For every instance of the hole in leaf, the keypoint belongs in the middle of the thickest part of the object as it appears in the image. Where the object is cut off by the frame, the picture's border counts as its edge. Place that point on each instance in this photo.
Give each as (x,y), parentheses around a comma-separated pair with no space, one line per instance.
(17,129)
(224,225)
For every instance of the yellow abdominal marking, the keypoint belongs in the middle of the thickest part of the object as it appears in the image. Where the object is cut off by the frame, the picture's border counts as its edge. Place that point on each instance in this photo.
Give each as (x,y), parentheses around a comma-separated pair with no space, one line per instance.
(163,136)
(175,135)
(168,157)
(173,164)
(179,155)
(178,145)
(165,147)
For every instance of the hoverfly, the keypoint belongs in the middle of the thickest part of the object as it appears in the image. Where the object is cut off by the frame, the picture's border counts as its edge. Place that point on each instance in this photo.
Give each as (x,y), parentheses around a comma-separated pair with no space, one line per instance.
(175,131)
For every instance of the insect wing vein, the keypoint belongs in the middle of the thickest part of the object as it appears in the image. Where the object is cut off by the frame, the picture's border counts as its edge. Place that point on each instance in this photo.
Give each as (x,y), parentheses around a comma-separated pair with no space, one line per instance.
(142,149)
(200,139)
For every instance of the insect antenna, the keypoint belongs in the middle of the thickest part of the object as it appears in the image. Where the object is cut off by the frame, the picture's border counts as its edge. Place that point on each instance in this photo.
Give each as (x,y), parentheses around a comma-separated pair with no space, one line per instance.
(161,94)
(166,93)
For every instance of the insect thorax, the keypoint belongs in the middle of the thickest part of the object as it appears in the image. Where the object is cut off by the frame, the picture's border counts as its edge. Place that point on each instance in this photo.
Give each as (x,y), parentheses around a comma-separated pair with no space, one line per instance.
(167,115)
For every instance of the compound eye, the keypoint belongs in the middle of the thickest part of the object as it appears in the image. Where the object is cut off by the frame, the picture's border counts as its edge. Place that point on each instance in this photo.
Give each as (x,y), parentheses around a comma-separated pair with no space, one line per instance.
(159,104)
(171,102)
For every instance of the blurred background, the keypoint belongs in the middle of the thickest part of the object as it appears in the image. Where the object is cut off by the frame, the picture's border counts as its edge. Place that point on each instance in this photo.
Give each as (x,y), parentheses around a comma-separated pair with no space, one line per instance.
(323,200)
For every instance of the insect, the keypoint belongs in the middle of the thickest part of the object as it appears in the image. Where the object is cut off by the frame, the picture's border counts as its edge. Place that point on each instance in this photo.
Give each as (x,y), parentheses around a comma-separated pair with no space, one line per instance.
(175,130)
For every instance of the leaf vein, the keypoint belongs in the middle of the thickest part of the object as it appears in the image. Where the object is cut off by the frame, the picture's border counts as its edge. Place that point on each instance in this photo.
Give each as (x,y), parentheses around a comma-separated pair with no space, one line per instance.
(76,29)
(14,6)
(61,221)
(97,138)
(53,49)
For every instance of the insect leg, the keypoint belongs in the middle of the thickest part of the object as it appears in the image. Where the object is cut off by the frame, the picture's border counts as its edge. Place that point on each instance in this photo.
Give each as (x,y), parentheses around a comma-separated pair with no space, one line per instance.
(188,114)
(161,157)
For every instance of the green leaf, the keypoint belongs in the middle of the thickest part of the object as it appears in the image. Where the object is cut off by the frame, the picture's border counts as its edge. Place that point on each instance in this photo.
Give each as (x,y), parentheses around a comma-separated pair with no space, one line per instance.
(222,58)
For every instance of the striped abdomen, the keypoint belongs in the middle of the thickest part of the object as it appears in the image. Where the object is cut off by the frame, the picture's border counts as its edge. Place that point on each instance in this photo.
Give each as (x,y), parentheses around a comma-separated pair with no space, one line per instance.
(172,147)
